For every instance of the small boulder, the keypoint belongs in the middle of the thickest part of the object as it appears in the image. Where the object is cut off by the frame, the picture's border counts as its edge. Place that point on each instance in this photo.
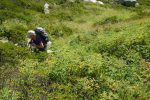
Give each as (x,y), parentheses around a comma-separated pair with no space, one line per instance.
(46,8)
(128,3)
(100,2)
(94,1)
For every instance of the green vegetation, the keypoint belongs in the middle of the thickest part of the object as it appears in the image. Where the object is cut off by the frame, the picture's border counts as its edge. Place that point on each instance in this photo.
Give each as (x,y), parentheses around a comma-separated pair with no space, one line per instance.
(100,52)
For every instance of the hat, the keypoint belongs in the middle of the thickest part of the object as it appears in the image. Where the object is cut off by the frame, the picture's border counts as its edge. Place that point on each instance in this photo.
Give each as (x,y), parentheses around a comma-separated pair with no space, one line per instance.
(30,33)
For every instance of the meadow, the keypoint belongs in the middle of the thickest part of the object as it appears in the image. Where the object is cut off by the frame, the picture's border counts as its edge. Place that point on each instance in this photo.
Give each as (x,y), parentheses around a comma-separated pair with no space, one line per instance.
(100,52)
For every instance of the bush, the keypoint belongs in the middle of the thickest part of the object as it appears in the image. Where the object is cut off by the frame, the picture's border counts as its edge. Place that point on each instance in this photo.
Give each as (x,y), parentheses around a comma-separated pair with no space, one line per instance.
(15,30)
(109,20)
(9,51)
(86,88)
(60,31)
(110,61)
(10,57)
(65,16)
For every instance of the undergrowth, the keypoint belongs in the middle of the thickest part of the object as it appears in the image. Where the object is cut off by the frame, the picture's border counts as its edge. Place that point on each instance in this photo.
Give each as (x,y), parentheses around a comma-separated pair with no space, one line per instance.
(99,52)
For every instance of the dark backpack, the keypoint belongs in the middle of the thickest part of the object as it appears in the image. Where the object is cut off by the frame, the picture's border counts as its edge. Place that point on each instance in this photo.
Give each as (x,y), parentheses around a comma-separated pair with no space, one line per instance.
(41,32)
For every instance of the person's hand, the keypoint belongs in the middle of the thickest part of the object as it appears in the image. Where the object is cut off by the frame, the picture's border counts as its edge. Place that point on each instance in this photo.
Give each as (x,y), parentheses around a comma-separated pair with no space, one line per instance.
(33,44)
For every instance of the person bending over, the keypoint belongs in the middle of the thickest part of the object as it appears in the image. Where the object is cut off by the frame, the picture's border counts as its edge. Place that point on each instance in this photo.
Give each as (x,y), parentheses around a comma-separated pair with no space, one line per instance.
(36,42)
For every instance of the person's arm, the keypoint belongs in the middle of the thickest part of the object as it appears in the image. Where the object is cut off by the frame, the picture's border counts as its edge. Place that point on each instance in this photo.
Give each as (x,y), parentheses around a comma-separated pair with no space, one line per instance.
(30,42)
(40,45)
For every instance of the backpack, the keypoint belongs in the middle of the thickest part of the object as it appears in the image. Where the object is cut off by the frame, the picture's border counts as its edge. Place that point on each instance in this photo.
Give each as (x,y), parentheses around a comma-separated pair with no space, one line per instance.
(41,32)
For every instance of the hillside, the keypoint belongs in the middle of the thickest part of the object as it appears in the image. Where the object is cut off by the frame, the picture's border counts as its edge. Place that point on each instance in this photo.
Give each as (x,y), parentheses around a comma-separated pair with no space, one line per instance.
(100,52)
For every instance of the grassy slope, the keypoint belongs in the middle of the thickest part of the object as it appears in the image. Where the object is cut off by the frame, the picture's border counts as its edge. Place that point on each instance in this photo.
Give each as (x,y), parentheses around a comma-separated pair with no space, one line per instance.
(100,52)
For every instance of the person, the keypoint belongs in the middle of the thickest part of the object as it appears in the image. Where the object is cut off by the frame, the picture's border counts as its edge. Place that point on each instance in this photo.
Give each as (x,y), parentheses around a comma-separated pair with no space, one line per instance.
(36,42)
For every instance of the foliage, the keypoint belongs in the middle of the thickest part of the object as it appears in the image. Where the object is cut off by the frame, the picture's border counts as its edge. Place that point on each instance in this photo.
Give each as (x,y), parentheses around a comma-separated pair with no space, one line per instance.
(111,20)
(60,31)
(14,30)
(98,52)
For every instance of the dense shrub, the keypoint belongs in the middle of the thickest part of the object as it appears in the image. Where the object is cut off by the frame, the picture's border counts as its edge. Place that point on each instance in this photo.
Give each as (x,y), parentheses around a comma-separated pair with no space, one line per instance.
(109,20)
(9,51)
(65,16)
(60,31)
(108,62)
(81,39)
(15,30)
(9,65)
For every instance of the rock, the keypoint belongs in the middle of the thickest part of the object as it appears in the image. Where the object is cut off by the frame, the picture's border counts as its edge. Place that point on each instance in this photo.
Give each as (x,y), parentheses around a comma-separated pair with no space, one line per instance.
(111,1)
(4,41)
(137,4)
(95,1)
(86,0)
(49,44)
(71,0)
(128,3)
(16,44)
(100,2)
(49,51)
(46,8)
